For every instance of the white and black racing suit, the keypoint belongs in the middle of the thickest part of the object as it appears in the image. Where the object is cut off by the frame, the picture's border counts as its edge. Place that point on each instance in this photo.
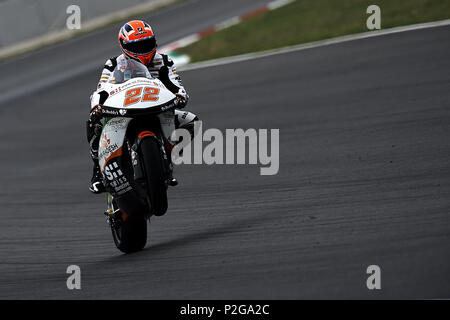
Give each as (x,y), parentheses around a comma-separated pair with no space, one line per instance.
(161,67)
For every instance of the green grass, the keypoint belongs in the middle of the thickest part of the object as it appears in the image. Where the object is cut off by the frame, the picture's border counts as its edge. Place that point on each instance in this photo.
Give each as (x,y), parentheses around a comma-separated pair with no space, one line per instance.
(310,20)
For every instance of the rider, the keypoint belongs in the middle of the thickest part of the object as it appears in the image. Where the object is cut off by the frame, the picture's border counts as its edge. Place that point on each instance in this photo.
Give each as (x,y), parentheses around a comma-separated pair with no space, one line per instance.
(137,40)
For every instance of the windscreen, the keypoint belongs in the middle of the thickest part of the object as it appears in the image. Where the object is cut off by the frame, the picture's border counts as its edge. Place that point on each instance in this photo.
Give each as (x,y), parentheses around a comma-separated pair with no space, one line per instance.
(127,69)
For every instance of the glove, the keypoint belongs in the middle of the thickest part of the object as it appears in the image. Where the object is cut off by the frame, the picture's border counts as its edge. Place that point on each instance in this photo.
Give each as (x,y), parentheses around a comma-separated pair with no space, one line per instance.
(96,114)
(93,125)
(182,99)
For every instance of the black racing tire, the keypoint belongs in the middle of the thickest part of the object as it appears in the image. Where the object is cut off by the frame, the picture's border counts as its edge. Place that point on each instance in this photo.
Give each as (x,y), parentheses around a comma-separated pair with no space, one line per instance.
(155,175)
(131,235)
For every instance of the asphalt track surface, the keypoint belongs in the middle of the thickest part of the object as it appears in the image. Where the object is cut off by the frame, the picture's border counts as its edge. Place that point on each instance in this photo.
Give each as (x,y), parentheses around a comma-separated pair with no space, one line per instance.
(364,179)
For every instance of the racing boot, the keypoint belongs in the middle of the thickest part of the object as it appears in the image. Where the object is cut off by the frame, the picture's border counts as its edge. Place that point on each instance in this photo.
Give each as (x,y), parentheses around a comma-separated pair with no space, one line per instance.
(96,185)
(172,181)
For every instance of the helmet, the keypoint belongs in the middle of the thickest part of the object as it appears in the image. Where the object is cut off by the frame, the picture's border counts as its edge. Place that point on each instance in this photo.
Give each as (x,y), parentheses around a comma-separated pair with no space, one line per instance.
(137,40)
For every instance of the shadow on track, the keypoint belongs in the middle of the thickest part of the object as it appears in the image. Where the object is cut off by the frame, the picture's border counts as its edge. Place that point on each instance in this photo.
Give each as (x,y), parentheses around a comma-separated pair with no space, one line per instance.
(234,226)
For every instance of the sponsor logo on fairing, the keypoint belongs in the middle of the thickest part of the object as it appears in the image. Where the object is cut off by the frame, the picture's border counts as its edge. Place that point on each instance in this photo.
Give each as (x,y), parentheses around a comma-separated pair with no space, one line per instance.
(109,149)
(105,141)
(116,179)
(110,112)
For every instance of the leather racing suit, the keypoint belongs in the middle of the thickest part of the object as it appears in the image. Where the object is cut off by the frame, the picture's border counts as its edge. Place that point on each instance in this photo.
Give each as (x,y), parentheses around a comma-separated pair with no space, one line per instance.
(161,67)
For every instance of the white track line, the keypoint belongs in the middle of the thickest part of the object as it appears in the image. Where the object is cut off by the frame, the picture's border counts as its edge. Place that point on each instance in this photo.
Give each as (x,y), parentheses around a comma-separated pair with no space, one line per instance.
(310,45)
(185,41)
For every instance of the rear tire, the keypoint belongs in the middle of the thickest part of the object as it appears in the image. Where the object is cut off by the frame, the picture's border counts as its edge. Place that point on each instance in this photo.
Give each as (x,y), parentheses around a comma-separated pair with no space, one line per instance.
(155,175)
(131,235)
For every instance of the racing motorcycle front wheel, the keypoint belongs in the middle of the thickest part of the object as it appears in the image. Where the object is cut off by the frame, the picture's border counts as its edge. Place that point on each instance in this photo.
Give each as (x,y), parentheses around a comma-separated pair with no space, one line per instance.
(154,169)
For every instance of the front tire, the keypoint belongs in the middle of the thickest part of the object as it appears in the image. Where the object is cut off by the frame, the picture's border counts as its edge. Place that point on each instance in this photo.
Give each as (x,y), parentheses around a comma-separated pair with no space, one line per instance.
(155,175)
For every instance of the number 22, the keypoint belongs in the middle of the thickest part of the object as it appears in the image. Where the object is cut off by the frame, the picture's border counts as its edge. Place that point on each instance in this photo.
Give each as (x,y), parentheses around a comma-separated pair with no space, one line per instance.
(133,96)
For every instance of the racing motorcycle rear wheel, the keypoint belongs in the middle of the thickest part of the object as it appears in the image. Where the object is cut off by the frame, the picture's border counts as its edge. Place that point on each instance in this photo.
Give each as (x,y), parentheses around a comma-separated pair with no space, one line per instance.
(130,235)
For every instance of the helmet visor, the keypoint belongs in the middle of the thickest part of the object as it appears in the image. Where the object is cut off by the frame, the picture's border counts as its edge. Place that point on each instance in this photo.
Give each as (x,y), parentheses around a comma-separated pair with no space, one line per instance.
(143,46)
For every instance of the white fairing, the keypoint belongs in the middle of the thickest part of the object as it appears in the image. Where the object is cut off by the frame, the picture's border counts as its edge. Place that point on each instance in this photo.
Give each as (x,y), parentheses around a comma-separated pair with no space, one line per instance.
(137,93)
(112,138)
(130,87)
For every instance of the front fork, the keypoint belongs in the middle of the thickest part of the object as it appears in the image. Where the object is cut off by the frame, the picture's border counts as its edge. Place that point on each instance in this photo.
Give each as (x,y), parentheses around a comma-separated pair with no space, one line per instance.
(136,161)
(167,120)
(167,123)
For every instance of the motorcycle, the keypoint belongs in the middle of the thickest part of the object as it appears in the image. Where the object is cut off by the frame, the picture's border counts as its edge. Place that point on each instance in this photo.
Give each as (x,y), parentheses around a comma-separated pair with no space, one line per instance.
(134,151)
